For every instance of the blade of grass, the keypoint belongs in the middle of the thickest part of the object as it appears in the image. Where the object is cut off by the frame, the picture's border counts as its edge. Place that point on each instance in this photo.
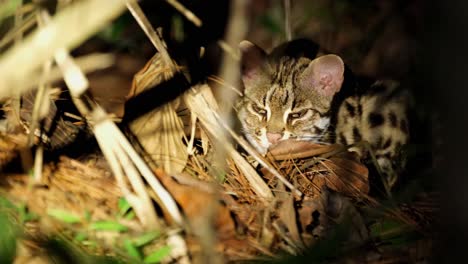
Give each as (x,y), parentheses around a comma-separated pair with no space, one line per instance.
(158,255)
(108,226)
(64,216)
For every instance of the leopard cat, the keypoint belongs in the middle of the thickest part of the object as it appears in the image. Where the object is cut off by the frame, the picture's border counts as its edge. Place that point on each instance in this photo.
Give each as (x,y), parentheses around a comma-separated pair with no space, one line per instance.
(291,93)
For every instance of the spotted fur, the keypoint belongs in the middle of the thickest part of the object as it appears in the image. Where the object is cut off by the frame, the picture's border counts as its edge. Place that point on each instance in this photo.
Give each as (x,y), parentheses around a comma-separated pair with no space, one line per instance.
(290,93)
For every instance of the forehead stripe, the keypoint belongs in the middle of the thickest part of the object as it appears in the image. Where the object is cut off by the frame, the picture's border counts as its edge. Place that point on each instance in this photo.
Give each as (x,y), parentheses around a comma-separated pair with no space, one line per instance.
(286,97)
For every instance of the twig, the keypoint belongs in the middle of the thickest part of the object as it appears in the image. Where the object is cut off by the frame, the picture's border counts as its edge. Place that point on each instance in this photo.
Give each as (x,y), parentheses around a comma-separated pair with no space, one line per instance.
(228,49)
(230,70)
(287,19)
(44,42)
(187,13)
(14,114)
(38,162)
(201,102)
(144,23)
(116,147)
(220,81)
(17,32)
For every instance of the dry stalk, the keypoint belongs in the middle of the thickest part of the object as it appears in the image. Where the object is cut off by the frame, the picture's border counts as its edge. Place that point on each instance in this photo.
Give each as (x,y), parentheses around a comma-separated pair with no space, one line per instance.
(287,19)
(87,63)
(201,102)
(229,71)
(17,32)
(186,12)
(159,131)
(117,149)
(140,17)
(61,32)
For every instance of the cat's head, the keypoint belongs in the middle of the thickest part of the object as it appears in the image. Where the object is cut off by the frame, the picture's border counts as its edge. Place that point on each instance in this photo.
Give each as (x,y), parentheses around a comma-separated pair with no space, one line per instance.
(286,96)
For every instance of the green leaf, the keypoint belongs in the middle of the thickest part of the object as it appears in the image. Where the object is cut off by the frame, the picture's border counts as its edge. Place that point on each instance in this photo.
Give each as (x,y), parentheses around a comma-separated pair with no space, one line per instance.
(108,226)
(87,215)
(130,215)
(124,206)
(25,215)
(5,203)
(64,216)
(90,243)
(9,232)
(145,238)
(131,249)
(80,237)
(382,226)
(271,24)
(158,255)
(178,28)
(113,32)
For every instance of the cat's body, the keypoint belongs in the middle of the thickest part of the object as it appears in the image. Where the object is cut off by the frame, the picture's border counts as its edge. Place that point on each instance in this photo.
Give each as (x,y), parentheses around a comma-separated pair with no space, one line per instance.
(291,94)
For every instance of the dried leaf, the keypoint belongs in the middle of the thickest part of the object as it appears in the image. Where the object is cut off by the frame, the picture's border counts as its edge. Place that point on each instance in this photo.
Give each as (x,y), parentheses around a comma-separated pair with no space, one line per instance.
(342,172)
(347,176)
(160,131)
(194,203)
(294,149)
(287,214)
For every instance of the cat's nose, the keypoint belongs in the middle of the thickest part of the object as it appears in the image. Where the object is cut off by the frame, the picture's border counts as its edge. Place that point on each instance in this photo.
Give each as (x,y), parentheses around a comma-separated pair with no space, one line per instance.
(273,138)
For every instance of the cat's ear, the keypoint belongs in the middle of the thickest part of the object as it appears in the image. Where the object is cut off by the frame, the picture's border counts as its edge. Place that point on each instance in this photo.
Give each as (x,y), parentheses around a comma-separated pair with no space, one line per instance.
(325,75)
(253,62)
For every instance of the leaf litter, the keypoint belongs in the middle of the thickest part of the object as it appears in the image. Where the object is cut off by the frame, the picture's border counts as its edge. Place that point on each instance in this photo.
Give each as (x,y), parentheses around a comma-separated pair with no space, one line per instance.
(241,212)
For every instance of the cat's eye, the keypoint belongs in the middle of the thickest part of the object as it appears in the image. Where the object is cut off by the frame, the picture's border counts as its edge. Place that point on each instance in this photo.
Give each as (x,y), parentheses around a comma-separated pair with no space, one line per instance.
(298,114)
(258,109)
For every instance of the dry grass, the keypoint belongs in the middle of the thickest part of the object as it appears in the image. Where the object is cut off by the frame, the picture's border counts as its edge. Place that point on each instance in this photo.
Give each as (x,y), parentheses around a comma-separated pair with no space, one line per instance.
(205,209)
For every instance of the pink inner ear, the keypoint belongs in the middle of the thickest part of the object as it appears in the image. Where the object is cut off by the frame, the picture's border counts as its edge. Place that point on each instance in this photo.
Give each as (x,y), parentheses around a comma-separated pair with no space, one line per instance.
(325,75)
(253,59)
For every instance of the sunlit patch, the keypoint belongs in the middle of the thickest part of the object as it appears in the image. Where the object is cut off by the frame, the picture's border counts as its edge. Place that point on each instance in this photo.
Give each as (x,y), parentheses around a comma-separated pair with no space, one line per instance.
(323,123)
(286,115)
(268,109)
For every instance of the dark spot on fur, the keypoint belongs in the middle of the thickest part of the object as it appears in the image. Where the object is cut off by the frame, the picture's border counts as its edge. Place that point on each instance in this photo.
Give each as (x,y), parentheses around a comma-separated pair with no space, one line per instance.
(314,223)
(375,119)
(404,126)
(393,119)
(359,109)
(342,139)
(350,109)
(387,144)
(286,97)
(318,129)
(356,135)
